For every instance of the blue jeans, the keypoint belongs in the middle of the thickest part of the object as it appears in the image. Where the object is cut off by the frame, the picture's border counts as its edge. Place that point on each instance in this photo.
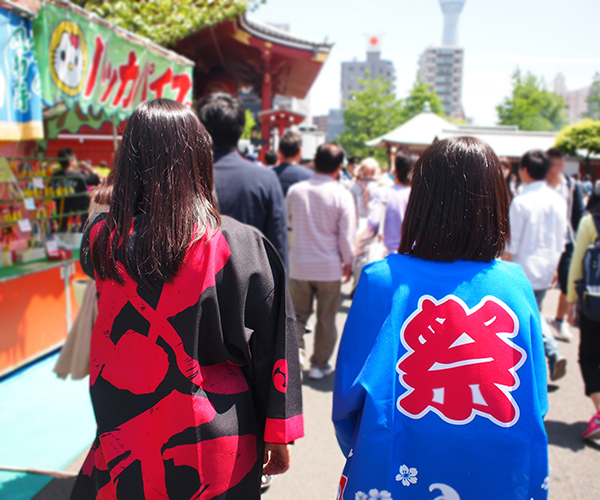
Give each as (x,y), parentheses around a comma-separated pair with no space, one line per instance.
(550,345)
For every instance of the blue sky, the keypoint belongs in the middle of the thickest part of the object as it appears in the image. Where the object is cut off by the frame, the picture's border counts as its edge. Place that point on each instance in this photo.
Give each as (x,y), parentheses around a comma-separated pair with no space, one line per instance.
(541,36)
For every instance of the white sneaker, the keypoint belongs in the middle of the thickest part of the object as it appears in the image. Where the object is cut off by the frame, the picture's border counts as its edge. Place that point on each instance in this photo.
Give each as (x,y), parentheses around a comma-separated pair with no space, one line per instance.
(562,330)
(317,374)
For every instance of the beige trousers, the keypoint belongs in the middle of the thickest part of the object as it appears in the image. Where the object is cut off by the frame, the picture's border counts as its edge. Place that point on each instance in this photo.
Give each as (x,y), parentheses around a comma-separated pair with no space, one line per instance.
(328,295)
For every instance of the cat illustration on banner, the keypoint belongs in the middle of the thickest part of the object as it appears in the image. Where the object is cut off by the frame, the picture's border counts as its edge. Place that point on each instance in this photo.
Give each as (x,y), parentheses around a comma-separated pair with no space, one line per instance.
(68,57)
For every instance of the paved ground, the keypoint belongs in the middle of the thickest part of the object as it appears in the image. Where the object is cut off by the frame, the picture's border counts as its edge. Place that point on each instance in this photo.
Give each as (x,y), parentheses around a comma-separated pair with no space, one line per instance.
(317,461)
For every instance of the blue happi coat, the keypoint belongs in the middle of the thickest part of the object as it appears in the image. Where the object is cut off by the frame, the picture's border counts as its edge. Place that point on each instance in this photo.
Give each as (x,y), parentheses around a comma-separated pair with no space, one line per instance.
(440,384)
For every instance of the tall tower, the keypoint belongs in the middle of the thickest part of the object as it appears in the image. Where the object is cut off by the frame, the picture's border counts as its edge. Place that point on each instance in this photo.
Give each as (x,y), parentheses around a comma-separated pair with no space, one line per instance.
(451,10)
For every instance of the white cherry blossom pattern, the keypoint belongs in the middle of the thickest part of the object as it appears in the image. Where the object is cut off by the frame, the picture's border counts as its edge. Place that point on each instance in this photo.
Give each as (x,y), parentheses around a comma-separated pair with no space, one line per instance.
(374,495)
(546,484)
(407,476)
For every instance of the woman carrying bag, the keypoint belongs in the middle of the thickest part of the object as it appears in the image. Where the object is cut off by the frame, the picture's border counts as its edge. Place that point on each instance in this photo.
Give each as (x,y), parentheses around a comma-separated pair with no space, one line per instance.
(589,343)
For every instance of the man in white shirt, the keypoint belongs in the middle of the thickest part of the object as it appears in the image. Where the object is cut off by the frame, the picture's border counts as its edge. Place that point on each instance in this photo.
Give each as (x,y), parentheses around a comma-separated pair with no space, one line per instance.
(322,217)
(538,224)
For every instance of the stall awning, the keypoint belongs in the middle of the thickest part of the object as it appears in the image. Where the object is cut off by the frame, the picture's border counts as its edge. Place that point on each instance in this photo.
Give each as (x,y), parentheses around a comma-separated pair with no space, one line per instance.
(20,103)
(97,71)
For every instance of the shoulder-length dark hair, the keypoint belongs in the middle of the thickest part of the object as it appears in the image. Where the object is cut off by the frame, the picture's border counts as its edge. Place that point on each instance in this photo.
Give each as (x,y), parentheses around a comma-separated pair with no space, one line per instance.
(458,206)
(163,177)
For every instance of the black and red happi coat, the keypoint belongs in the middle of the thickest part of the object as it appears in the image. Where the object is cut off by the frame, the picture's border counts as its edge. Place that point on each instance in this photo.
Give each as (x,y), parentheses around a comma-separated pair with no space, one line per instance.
(188,382)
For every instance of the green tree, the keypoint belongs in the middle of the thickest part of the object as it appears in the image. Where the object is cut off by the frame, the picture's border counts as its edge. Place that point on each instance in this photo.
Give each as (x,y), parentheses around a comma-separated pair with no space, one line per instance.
(374,110)
(593,99)
(531,106)
(579,138)
(167,21)
(419,95)
(369,113)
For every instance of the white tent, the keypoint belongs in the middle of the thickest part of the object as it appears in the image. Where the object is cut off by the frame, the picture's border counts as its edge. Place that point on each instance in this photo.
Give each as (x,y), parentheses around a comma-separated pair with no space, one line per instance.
(420,130)
(427,127)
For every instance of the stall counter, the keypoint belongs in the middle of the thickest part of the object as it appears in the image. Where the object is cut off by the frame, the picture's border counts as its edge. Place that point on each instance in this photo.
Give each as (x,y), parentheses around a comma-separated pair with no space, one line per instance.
(37,309)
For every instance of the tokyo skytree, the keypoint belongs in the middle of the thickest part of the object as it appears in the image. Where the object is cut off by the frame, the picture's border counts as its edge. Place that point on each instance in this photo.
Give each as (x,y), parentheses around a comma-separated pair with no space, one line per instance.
(451,10)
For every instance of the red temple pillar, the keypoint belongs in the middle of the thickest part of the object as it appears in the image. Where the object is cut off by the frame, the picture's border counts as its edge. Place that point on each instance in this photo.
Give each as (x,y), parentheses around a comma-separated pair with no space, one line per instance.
(266,102)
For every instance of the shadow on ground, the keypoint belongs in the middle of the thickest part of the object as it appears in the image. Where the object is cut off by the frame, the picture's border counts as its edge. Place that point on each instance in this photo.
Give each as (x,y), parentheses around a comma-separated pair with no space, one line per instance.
(568,435)
(323,385)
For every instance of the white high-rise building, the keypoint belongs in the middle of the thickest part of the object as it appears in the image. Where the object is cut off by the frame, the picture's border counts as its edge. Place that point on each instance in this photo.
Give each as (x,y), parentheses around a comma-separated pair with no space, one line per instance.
(442,67)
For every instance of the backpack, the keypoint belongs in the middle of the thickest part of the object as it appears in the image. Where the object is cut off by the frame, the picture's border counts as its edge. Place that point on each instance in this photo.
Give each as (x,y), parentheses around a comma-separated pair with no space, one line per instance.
(588,287)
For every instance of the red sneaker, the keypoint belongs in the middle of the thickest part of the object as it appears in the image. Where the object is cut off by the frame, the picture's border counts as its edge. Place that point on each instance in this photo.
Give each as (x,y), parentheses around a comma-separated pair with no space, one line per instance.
(593,428)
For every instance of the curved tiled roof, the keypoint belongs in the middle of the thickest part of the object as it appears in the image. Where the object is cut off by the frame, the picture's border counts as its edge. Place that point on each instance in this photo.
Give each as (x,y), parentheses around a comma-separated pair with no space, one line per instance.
(279,36)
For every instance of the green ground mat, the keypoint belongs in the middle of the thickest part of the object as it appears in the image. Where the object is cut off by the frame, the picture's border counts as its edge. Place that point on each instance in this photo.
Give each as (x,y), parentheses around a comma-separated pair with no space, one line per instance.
(45,423)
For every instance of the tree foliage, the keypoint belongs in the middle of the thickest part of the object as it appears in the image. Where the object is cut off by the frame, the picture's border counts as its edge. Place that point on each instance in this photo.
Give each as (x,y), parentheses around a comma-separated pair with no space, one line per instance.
(167,21)
(419,95)
(531,106)
(593,99)
(580,138)
(374,110)
(370,112)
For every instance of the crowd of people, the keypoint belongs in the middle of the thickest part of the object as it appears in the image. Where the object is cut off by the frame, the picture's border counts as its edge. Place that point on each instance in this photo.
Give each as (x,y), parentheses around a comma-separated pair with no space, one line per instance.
(208,267)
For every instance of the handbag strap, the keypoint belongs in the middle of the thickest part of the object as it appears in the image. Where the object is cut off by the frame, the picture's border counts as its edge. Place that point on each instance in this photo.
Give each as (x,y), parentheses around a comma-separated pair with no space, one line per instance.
(384,202)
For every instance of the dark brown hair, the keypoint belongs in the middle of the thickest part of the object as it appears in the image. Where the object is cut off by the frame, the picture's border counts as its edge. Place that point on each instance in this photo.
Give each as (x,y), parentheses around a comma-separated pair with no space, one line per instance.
(163,177)
(290,144)
(103,193)
(555,153)
(403,165)
(458,206)
(329,158)
(536,163)
(224,117)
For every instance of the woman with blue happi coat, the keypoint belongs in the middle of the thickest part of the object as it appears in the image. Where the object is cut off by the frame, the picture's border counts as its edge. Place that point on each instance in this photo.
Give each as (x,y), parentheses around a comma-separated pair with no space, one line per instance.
(440,386)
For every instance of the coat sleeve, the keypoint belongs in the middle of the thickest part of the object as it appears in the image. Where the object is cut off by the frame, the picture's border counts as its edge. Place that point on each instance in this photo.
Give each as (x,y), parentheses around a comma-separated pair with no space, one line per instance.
(275,358)
(370,308)
(276,225)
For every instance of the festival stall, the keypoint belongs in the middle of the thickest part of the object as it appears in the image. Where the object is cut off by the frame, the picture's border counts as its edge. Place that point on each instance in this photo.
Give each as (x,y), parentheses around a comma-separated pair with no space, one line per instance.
(91,76)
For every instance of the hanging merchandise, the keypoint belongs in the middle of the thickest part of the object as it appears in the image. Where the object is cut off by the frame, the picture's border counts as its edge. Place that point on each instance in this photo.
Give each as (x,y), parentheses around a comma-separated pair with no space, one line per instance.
(20,100)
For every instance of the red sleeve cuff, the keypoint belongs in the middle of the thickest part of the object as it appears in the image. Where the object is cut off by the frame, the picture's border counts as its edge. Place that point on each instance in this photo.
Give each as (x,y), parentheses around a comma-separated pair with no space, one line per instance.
(284,430)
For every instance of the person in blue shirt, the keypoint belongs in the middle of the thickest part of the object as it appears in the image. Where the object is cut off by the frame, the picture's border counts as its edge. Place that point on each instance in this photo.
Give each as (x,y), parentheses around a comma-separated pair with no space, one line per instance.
(247,192)
(440,385)
(289,171)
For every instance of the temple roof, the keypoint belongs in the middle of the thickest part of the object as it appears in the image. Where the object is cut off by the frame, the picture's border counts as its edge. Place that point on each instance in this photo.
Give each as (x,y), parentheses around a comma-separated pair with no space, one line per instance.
(274,34)
(248,50)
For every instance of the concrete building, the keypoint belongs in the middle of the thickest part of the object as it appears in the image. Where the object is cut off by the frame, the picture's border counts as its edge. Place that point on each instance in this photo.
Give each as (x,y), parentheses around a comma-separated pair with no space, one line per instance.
(321,122)
(335,124)
(442,68)
(575,100)
(357,70)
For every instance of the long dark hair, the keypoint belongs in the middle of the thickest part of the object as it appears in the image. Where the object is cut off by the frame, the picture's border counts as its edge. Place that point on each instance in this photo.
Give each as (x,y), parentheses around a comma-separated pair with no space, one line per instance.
(593,204)
(163,177)
(458,206)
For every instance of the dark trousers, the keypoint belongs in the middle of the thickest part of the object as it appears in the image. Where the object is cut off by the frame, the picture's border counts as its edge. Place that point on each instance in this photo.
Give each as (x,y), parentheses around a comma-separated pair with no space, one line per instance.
(589,354)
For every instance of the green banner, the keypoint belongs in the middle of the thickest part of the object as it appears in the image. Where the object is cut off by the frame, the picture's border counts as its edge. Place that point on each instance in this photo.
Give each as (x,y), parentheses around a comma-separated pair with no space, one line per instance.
(85,63)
